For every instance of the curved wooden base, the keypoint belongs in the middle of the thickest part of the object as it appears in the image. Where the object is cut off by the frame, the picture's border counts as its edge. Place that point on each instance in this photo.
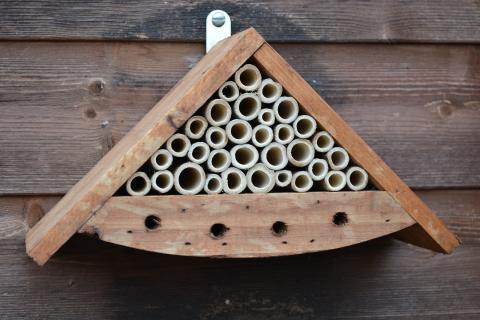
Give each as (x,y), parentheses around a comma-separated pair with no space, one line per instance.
(244,225)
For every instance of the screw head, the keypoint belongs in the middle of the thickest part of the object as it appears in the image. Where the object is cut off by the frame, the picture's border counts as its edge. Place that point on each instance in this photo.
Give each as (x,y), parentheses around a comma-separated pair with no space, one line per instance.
(218,19)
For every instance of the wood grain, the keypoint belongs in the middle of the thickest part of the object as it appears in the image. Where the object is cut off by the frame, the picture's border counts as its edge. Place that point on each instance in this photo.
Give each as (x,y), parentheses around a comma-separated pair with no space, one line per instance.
(335,21)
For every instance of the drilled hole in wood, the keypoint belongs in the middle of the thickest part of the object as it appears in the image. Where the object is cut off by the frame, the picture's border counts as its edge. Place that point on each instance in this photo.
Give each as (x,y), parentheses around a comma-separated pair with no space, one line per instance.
(152,222)
(279,228)
(218,230)
(340,218)
(187,243)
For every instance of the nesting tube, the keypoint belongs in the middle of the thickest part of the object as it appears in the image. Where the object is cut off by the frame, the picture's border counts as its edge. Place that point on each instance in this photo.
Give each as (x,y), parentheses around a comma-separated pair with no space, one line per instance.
(244,156)
(300,152)
(262,135)
(218,112)
(301,181)
(260,179)
(269,91)
(162,181)
(234,181)
(196,127)
(219,160)
(338,158)
(304,126)
(274,156)
(266,117)
(178,145)
(248,77)
(229,91)
(189,178)
(283,178)
(213,184)
(247,106)
(199,152)
(285,109)
(139,184)
(318,169)
(161,160)
(284,133)
(322,141)
(357,178)
(239,131)
(216,137)
(334,181)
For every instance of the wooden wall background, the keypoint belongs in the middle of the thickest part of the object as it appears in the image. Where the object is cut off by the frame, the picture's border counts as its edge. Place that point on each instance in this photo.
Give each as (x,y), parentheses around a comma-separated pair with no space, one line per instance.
(74,77)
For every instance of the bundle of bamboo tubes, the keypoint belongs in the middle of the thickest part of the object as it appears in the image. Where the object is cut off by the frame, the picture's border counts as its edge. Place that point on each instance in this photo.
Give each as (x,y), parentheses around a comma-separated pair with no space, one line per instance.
(250,137)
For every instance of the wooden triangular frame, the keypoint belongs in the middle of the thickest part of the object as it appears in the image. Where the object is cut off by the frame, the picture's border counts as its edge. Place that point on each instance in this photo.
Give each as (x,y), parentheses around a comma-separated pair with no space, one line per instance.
(90,194)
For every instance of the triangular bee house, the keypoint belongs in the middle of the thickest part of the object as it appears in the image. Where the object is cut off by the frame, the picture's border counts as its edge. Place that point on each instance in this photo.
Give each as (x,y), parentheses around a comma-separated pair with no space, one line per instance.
(242,158)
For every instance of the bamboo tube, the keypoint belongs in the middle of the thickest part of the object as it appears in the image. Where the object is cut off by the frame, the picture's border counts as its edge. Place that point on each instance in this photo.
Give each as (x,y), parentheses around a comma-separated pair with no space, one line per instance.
(239,131)
(216,137)
(322,141)
(189,178)
(229,91)
(300,152)
(334,181)
(244,156)
(338,158)
(218,112)
(285,109)
(283,178)
(234,181)
(304,126)
(269,91)
(247,106)
(284,133)
(248,77)
(139,184)
(161,160)
(219,160)
(266,117)
(357,178)
(318,169)
(199,152)
(260,179)
(262,135)
(178,145)
(301,181)
(274,156)
(196,127)
(162,181)
(213,184)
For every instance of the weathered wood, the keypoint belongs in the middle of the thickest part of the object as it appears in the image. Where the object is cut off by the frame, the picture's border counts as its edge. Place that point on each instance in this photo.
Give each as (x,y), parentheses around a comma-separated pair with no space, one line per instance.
(440,238)
(305,222)
(416,105)
(380,21)
(103,180)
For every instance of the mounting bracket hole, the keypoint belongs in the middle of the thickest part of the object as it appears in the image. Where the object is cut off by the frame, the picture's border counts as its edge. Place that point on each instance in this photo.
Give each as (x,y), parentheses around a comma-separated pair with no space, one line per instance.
(340,218)
(218,230)
(152,222)
(279,228)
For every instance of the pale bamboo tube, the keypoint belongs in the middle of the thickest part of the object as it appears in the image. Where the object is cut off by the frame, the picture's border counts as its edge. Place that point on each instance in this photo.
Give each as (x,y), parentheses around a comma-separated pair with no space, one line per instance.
(162,181)
(262,135)
(283,178)
(247,106)
(338,158)
(139,184)
(219,160)
(178,145)
(260,179)
(301,181)
(322,141)
(199,152)
(216,137)
(248,77)
(304,126)
(274,156)
(213,184)
(357,178)
(229,91)
(161,160)
(300,152)
(284,133)
(239,131)
(334,181)
(285,109)
(196,127)
(234,181)
(218,112)
(244,156)
(318,169)
(189,178)
(266,117)
(269,91)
